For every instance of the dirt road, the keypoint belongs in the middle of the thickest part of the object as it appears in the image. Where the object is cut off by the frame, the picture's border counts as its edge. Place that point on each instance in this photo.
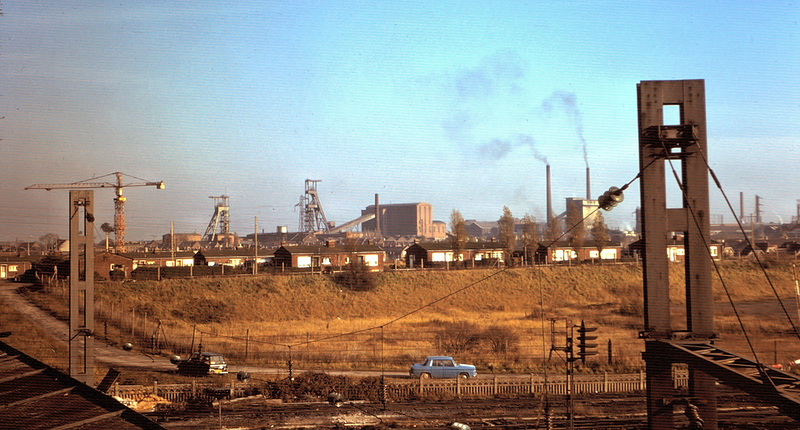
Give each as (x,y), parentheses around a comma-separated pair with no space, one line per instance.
(105,354)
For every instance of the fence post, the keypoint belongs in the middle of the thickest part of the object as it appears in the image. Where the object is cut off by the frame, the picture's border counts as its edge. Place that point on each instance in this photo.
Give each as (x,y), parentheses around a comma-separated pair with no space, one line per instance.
(194,388)
(420,386)
(116,389)
(155,387)
(246,342)
(531,379)
(605,381)
(458,387)
(641,379)
(494,389)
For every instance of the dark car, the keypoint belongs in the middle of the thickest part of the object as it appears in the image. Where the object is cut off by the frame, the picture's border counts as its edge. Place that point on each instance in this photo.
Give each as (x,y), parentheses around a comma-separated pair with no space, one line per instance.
(203,363)
(438,366)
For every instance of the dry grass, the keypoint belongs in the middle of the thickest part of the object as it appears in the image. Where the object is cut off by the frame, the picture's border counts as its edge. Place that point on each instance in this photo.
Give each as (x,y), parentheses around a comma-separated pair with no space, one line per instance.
(28,338)
(320,325)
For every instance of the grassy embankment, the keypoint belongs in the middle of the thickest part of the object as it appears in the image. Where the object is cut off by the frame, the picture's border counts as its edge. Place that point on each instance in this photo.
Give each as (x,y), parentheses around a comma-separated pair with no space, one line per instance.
(488,317)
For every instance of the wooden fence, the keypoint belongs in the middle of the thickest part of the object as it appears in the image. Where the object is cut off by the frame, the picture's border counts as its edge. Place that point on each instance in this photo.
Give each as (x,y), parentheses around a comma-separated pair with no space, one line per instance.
(400,390)
(177,393)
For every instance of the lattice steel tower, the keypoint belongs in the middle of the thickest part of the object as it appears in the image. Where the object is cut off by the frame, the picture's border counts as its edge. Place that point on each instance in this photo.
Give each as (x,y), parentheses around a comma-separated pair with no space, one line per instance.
(221,220)
(312,217)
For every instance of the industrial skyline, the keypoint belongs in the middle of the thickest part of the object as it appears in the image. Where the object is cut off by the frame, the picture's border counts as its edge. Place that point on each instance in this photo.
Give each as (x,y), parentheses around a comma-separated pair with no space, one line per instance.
(460,106)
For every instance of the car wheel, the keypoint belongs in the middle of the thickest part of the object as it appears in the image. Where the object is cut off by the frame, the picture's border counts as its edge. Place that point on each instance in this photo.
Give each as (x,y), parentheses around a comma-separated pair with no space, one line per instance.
(463,375)
(425,375)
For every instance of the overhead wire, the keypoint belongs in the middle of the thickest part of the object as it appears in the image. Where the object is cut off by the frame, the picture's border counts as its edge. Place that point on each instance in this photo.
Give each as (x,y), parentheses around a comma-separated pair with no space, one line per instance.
(713,262)
(752,245)
(462,289)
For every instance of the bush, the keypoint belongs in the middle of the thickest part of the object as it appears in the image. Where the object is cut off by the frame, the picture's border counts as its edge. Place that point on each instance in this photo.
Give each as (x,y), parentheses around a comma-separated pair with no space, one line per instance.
(501,339)
(458,337)
(356,277)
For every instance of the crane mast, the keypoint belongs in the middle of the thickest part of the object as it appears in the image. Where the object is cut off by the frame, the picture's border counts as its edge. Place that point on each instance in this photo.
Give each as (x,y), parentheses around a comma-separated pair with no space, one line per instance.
(119,199)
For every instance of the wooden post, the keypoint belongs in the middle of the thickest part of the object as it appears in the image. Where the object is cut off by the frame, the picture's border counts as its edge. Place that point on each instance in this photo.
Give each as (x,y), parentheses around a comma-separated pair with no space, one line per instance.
(531,379)
(641,380)
(155,387)
(605,381)
(133,323)
(246,343)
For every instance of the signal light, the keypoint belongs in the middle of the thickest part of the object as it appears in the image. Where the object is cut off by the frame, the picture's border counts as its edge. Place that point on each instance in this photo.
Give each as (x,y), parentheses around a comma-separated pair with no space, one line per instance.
(584,347)
(610,198)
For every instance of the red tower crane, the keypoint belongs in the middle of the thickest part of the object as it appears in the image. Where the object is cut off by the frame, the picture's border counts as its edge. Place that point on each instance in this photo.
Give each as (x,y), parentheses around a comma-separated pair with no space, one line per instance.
(119,200)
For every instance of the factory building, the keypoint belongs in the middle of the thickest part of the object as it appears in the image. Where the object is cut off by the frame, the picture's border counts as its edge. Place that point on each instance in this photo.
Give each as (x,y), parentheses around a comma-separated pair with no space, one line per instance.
(404,219)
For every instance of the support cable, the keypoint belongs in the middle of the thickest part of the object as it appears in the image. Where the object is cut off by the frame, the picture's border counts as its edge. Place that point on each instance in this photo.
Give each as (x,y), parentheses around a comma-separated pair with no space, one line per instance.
(755,254)
(714,263)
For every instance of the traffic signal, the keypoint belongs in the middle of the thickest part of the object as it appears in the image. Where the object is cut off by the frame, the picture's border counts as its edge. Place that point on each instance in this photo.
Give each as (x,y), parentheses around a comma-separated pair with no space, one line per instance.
(610,198)
(584,347)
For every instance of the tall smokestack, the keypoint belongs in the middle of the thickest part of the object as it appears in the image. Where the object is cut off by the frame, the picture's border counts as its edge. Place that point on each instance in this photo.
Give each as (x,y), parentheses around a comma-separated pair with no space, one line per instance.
(549,199)
(741,206)
(378,216)
(588,185)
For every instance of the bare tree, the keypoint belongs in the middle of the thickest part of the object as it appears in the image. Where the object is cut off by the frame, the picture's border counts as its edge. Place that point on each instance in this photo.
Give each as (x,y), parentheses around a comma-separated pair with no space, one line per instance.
(599,232)
(506,234)
(530,235)
(553,231)
(577,232)
(458,233)
(49,241)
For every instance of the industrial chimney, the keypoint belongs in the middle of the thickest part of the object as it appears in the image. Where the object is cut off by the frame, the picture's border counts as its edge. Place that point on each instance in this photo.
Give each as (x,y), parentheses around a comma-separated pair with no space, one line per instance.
(378,216)
(588,185)
(549,200)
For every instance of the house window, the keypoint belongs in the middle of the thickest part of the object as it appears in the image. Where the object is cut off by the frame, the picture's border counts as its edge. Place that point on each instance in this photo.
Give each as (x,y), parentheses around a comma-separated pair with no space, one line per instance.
(304,261)
(13,268)
(713,251)
(438,256)
(608,254)
(371,260)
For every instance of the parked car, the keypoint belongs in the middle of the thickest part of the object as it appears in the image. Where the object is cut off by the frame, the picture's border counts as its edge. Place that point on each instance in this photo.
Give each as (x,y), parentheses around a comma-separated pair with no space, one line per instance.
(203,363)
(438,366)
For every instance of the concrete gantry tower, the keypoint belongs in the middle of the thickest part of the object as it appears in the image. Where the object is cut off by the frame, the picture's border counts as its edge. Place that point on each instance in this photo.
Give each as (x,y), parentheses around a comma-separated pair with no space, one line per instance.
(685,144)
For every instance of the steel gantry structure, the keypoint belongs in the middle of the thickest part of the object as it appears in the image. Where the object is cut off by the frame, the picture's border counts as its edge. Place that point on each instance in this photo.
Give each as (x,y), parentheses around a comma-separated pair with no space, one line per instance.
(221,220)
(119,199)
(692,342)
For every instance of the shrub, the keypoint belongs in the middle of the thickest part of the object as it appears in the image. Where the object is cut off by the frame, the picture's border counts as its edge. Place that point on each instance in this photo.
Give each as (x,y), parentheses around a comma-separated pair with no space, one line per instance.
(501,339)
(458,337)
(356,277)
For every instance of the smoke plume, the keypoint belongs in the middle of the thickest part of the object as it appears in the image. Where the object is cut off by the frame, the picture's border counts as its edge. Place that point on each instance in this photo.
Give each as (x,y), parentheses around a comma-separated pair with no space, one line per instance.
(567,102)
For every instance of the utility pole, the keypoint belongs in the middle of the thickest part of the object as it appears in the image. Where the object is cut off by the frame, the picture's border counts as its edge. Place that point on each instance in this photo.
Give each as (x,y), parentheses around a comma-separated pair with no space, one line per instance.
(255,247)
(172,241)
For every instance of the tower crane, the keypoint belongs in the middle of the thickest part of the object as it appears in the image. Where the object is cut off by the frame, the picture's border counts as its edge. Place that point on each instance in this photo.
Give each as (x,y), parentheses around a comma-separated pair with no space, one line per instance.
(119,200)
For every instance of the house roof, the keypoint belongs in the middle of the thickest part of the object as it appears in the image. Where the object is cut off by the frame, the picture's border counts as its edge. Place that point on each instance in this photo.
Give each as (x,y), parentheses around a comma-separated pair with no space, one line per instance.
(322,249)
(36,396)
(448,246)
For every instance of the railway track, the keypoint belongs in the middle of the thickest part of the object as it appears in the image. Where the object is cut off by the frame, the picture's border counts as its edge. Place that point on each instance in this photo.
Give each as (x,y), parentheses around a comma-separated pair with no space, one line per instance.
(609,412)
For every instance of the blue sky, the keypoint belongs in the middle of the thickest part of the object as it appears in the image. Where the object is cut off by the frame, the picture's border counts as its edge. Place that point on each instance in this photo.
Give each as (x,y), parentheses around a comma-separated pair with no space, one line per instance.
(453,103)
